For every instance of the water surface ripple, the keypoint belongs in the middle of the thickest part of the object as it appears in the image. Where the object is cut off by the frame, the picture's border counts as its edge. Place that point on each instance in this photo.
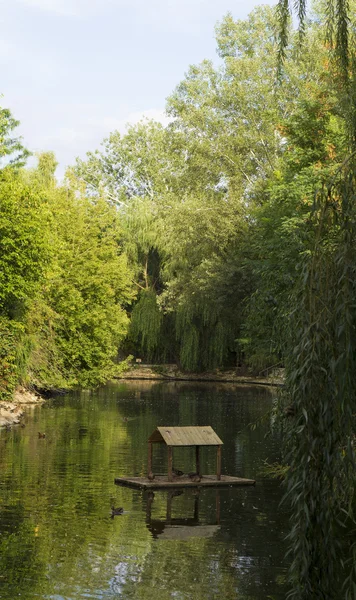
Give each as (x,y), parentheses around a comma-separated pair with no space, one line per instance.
(58,540)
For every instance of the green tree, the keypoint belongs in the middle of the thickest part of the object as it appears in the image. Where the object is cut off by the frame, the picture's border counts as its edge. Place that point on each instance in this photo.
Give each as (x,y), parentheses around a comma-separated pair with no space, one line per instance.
(24,254)
(79,320)
(12,152)
(65,282)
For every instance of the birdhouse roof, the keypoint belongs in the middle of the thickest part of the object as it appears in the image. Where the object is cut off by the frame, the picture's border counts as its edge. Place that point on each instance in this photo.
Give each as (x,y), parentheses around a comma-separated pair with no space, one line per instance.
(186,436)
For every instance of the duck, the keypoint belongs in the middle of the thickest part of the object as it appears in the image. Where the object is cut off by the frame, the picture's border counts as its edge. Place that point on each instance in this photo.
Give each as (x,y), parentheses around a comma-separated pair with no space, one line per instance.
(177,472)
(194,477)
(41,435)
(116,511)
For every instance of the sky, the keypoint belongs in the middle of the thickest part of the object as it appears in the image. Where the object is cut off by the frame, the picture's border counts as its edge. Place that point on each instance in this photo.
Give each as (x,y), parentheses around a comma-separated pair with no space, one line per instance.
(72,71)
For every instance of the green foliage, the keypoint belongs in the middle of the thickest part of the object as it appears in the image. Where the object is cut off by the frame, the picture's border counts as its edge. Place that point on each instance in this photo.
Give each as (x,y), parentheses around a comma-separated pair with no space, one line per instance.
(146,322)
(24,255)
(10,332)
(336,15)
(46,168)
(189,336)
(11,148)
(64,282)
(274,470)
(321,385)
(24,243)
(81,311)
(314,140)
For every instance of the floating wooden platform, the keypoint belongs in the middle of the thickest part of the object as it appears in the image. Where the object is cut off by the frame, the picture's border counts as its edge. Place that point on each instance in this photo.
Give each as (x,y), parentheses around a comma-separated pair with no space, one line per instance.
(161,482)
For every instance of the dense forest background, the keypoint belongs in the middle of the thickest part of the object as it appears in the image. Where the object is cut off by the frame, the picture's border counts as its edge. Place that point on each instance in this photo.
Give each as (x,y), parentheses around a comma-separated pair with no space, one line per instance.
(179,243)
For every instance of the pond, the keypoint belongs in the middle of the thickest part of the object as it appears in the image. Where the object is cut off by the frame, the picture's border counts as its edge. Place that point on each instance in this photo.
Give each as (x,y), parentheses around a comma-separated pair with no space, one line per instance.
(58,540)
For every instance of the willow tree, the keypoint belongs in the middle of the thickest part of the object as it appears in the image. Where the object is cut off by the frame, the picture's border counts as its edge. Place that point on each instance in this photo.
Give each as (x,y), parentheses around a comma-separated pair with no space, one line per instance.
(321,384)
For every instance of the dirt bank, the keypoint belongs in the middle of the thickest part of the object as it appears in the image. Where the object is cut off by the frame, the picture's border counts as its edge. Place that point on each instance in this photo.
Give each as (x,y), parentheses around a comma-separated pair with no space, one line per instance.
(11,413)
(172,373)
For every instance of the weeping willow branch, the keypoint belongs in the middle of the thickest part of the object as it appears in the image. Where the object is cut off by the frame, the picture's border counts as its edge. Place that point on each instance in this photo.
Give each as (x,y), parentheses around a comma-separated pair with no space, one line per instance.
(321,384)
(283,20)
(336,34)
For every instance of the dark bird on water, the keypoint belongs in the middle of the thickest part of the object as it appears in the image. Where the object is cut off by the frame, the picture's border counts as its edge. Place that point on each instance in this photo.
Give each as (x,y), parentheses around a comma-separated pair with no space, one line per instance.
(41,435)
(177,472)
(116,511)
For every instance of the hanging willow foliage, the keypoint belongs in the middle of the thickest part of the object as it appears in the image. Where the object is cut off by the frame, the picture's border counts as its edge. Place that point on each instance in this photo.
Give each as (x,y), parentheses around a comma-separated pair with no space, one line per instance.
(321,374)
(321,387)
(204,335)
(337,14)
(146,321)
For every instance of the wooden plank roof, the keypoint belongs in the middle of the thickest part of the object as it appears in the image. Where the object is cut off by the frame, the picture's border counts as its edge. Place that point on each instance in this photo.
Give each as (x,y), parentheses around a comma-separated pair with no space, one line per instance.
(186,436)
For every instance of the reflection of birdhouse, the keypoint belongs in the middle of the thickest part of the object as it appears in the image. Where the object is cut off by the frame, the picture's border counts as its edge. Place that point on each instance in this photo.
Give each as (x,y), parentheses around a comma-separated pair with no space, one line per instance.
(179,528)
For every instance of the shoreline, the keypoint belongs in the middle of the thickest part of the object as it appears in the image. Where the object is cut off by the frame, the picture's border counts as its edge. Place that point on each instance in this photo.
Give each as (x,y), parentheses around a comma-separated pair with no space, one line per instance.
(172,373)
(11,412)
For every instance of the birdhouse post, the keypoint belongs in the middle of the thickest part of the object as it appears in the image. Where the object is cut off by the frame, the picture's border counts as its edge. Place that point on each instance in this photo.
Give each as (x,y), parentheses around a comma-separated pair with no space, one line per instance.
(218,463)
(170,463)
(197,460)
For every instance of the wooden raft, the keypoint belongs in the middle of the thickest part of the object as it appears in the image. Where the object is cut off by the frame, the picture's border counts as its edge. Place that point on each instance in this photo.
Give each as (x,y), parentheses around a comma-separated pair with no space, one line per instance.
(161,482)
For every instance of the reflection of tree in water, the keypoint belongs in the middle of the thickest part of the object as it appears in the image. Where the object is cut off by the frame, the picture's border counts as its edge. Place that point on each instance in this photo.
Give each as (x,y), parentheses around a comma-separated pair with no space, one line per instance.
(21,559)
(56,495)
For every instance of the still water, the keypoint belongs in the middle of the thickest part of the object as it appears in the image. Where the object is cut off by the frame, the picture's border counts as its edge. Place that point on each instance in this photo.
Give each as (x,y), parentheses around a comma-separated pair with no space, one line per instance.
(58,540)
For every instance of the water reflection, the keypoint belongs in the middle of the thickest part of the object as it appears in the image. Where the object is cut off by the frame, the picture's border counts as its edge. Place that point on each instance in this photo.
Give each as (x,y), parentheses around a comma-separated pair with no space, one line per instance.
(57,538)
(174,528)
